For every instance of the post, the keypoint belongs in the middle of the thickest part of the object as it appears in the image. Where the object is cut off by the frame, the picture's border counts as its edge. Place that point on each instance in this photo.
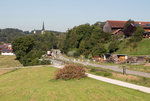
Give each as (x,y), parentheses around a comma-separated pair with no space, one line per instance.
(124,70)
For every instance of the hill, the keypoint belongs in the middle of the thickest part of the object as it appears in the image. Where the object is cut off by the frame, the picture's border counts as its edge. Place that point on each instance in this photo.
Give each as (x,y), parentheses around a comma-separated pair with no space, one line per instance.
(140,48)
(37,84)
(9,34)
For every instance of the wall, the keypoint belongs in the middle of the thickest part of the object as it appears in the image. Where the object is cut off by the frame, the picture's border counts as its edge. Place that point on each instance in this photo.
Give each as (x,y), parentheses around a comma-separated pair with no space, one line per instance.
(107,27)
(7,54)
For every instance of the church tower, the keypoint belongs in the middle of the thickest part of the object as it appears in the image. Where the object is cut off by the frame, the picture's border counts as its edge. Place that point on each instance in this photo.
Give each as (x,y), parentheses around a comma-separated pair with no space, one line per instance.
(43,29)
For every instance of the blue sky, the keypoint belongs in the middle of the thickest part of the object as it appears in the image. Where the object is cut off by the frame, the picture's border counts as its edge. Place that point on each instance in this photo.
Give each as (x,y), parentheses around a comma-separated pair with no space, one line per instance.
(60,15)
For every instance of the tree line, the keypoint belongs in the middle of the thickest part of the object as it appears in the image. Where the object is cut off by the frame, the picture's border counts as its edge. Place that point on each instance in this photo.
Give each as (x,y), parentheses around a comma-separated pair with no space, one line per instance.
(88,40)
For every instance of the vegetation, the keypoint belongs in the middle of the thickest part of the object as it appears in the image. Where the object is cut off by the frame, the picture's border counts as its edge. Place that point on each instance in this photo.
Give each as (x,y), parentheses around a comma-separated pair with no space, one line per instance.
(37,84)
(119,76)
(85,40)
(9,34)
(9,61)
(29,49)
(142,47)
(71,71)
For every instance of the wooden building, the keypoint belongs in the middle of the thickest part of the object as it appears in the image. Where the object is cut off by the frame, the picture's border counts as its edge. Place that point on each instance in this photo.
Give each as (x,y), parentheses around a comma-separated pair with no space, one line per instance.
(116,27)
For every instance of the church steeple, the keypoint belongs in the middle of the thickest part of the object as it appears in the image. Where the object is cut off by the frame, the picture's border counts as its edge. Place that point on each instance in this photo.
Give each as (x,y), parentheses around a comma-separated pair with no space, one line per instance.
(43,28)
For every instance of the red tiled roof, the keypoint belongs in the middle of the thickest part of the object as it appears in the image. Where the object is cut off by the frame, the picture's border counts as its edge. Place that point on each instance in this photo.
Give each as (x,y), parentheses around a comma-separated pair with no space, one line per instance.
(120,24)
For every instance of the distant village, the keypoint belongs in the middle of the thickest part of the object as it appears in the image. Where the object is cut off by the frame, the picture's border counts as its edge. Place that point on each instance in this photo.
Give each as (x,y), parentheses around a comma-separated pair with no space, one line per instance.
(111,26)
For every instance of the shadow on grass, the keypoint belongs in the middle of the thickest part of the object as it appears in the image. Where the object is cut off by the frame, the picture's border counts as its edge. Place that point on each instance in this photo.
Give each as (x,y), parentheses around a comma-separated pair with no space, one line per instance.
(10,71)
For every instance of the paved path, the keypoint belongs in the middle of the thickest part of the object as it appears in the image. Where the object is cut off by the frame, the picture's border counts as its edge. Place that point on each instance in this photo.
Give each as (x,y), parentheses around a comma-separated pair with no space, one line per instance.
(115,82)
(114,68)
(120,83)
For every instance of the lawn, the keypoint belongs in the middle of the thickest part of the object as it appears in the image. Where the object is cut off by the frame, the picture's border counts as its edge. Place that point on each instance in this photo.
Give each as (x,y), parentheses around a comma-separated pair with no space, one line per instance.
(37,84)
(8,61)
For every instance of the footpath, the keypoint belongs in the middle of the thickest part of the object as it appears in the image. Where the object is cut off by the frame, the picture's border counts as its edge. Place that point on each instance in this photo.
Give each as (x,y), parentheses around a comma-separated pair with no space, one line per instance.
(115,82)
(114,68)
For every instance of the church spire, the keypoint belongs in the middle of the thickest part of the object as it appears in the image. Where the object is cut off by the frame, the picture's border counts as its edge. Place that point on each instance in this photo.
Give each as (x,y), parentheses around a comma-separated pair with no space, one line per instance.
(43,26)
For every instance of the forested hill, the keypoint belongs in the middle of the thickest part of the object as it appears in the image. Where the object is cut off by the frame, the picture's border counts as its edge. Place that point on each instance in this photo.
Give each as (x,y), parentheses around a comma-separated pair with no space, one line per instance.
(9,34)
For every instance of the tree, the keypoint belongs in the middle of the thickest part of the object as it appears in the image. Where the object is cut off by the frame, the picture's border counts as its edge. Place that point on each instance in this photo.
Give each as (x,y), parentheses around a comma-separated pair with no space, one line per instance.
(113,46)
(138,34)
(9,34)
(98,50)
(22,46)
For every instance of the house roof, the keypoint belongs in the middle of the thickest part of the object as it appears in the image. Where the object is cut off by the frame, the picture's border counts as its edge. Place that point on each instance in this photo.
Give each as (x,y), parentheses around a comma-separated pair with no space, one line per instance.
(120,24)
(7,50)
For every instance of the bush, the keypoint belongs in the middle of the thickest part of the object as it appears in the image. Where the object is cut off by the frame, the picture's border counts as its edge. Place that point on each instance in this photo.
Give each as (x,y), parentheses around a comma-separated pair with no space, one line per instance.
(100,73)
(103,73)
(108,74)
(93,70)
(71,71)
(45,62)
(73,53)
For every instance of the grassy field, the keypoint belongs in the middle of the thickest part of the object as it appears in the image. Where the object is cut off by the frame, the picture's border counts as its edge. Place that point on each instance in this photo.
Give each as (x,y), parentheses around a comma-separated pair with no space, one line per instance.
(143,48)
(8,61)
(37,84)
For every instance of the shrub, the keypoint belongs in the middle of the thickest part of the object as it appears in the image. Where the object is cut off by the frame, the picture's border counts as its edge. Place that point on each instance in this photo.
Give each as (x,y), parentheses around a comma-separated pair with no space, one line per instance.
(100,73)
(103,73)
(93,70)
(71,71)
(45,62)
(107,74)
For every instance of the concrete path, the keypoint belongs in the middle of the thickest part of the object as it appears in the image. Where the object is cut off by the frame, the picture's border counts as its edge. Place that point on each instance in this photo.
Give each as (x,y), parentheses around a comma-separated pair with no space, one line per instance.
(115,82)
(114,68)
(120,83)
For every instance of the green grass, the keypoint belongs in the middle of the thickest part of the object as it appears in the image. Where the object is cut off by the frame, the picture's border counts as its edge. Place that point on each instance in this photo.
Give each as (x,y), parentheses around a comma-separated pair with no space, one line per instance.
(138,80)
(143,48)
(140,68)
(8,61)
(37,84)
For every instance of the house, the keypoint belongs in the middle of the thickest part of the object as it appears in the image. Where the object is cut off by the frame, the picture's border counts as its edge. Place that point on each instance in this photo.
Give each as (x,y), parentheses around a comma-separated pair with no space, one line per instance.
(116,27)
(6,49)
(7,52)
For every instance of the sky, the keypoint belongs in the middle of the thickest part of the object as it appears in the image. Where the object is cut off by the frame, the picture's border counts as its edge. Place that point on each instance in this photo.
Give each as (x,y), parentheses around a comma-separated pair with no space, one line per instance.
(61,15)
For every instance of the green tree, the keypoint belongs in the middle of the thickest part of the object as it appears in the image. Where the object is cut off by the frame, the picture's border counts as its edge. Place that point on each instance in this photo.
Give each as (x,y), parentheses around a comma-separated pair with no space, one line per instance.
(138,34)
(113,46)
(22,46)
(98,50)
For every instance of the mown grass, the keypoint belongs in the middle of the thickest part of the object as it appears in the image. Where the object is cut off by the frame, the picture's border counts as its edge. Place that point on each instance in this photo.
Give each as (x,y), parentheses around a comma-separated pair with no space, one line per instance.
(37,84)
(8,61)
